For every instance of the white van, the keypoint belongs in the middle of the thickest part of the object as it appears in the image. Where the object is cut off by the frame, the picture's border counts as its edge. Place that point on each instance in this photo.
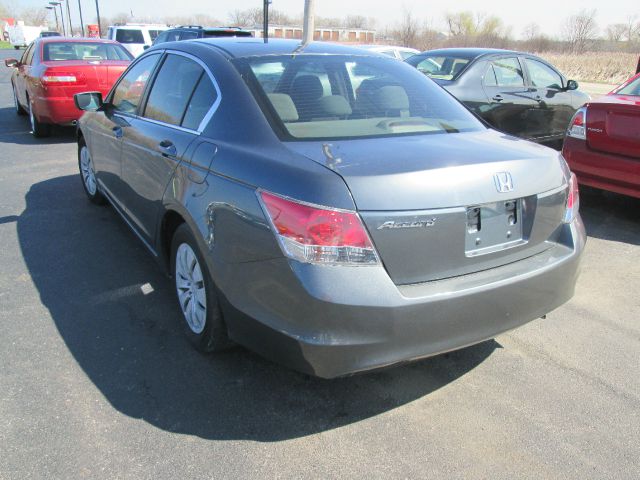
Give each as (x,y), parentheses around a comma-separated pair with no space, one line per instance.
(134,36)
(21,35)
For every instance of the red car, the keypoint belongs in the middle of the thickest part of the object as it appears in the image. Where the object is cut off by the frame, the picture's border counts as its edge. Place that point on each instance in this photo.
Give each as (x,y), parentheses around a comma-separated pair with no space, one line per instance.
(53,69)
(602,144)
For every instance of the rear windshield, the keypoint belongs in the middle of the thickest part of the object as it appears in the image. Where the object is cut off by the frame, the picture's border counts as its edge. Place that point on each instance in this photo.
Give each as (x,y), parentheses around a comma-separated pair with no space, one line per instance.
(127,35)
(340,96)
(59,51)
(440,67)
(632,89)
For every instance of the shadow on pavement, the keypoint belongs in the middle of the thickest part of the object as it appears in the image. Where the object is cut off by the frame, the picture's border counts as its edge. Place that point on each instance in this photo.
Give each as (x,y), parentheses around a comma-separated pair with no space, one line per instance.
(89,269)
(16,129)
(610,216)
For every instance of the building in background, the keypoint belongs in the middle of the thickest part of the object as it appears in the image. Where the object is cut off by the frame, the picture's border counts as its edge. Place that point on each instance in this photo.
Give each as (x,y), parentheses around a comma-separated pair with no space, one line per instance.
(342,35)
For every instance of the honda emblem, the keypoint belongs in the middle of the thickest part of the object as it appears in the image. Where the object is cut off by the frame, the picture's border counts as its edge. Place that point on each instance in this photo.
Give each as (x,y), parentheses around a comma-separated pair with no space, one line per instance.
(503,182)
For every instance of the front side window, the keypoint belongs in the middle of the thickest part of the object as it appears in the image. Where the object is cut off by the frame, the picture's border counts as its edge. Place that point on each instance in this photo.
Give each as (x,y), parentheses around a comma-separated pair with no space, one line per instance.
(632,89)
(172,89)
(439,67)
(508,72)
(129,35)
(343,96)
(128,93)
(542,75)
(59,51)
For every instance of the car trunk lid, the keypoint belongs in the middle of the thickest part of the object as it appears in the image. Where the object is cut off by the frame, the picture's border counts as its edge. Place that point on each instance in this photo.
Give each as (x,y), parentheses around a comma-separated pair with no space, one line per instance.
(613,125)
(91,75)
(418,197)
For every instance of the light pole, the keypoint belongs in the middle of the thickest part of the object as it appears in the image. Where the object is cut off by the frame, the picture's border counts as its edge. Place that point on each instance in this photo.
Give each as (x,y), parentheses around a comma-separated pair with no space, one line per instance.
(56,15)
(265,15)
(81,22)
(98,13)
(69,18)
(64,28)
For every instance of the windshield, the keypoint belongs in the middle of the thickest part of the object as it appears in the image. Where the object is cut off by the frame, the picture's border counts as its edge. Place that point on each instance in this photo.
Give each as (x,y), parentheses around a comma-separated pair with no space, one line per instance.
(59,51)
(632,89)
(344,96)
(440,67)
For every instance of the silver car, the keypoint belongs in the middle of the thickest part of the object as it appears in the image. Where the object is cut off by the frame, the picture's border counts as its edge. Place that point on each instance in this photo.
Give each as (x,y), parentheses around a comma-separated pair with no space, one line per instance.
(332,209)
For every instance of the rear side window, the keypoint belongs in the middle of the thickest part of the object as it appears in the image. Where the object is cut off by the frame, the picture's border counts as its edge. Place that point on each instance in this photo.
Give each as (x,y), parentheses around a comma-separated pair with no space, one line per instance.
(128,93)
(172,89)
(153,34)
(542,75)
(508,72)
(188,35)
(203,98)
(127,35)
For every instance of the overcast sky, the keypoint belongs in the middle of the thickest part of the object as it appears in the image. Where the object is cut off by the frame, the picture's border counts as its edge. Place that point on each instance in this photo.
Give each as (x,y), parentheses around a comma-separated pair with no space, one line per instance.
(549,14)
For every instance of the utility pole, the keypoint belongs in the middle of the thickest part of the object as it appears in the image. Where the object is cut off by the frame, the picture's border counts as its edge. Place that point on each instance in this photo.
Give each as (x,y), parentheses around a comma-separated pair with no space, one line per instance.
(69,18)
(64,28)
(309,25)
(98,13)
(55,14)
(265,18)
(81,22)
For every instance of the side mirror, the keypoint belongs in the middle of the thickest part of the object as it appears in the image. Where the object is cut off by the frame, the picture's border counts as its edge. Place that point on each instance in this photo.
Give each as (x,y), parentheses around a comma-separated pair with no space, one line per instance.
(11,63)
(88,101)
(572,85)
(146,47)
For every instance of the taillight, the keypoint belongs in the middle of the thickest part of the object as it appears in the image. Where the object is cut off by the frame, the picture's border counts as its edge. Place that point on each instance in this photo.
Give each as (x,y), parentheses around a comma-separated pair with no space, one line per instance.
(578,124)
(573,200)
(314,234)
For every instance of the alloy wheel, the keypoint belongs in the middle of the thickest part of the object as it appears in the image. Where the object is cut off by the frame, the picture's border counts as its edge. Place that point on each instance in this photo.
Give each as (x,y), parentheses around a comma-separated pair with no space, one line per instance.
(88,174)
(191,289)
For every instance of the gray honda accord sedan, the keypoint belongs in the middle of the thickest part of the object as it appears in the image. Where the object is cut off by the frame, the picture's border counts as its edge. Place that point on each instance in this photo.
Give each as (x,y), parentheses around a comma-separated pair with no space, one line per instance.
(329,208)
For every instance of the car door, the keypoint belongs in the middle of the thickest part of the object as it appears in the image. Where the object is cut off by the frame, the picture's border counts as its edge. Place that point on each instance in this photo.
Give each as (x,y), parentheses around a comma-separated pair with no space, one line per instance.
(554,110)
(509,101)
(22,72)
(105,139)
(158,139)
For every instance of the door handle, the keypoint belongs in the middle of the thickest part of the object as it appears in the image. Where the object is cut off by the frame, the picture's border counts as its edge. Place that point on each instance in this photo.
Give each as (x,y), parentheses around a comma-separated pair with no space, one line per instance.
(117,131)
(538,98)
(497,98)
(167,148)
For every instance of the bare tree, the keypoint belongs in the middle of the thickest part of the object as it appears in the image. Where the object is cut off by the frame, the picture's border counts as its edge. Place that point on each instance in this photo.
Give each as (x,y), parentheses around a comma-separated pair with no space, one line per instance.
(248,17)
(531,31)
(615,31)
(355,21)
(580,30)
(632,28)
(407,31)
(34,16)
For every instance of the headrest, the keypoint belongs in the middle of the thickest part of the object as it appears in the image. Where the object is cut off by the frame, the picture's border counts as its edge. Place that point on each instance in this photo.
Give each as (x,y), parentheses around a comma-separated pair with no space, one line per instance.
(391,97)
(335,106)
(284,106)
(307,87)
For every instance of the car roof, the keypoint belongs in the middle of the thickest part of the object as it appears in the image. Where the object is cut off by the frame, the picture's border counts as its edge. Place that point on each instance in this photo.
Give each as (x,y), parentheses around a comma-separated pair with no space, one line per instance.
(470,53)
(248,47)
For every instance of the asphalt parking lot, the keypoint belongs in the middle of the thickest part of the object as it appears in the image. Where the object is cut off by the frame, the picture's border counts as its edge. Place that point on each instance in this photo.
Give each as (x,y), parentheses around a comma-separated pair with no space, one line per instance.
(97,381)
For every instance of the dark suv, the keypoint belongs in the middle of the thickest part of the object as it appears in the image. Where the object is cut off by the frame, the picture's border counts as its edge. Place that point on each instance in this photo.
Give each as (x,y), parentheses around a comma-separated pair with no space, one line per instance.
(190,32)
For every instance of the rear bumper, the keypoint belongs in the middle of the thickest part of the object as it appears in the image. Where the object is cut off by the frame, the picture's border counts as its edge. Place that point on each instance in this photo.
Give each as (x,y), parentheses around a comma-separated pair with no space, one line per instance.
(334,321)
(57,110)
(606,171)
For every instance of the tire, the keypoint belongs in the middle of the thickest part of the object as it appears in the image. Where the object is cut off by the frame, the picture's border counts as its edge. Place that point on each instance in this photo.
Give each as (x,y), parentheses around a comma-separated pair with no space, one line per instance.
(38,129)
(202,317)
(17,47)
(19,110)
(88,175)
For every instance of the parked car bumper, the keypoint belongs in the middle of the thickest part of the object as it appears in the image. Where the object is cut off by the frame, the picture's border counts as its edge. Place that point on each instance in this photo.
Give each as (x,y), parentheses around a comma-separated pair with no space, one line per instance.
(334,321)
(606,171)
(57,110)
